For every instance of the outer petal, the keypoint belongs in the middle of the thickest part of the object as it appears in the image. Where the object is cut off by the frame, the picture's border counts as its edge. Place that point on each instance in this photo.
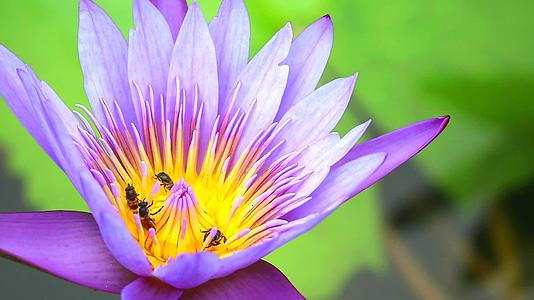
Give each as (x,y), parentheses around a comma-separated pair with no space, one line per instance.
(263,82)
(399,145)
(48,115)
(230,31)
(103,58)
(23,92)
(316,115)
(174,12)
(150,289)
(307,60)
(189,270)
(149,52)
(194,65)
(64,244)
(259,281)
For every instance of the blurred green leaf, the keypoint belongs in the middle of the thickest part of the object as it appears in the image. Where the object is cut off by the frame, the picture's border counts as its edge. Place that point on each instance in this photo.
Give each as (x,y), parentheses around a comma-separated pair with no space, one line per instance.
(472,60)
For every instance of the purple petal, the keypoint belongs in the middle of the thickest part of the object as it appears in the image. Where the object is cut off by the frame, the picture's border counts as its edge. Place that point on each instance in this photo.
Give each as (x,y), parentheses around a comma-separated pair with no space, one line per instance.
(25,104)
(230,31)
(399,146)
(56,123)
(319,156)
(189,270)
(103,58)
(259,281)
(114,232)
(307,60)
(150,289)
(316,115)
(149,53)
(340,185)
(194,64)
(64,244)
(174,12)
(330,149)
(263,81)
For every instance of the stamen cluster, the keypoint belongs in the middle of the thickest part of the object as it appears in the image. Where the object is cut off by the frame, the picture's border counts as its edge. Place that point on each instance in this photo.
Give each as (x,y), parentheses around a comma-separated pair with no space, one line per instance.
(181,190)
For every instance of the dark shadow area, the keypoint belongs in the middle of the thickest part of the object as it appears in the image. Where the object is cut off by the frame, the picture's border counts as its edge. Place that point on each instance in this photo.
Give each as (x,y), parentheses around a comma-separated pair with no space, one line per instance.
(18,281)
(436,253)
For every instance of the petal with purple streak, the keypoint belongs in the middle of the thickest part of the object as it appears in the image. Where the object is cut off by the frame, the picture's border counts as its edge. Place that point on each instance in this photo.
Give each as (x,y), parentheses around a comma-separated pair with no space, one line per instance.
(149,53)
(103,58)
(263,82)
(49,112)
(25,104)
(259,281)
(307,60)
(174,12)
(194,66)
(189,270)
(400,145)
(230,31)
(65,244)
(150,289)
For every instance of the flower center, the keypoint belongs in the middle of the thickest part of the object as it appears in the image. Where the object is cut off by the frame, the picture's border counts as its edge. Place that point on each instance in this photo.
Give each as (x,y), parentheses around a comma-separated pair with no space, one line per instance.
(181,190)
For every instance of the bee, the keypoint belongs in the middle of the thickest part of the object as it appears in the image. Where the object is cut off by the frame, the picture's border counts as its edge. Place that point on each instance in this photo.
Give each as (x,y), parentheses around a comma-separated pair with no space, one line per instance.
(165,180)
(144,214)
(131,197)
(217,239)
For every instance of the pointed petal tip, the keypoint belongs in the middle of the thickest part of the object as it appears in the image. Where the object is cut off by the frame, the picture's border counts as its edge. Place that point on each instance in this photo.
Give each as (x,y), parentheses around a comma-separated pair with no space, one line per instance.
(288,28)
(194,5)
(445,118)
(326,21)
(85,4)
(440,122)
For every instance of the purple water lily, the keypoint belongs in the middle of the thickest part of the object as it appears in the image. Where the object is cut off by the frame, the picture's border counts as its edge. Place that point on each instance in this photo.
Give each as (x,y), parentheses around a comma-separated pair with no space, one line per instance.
(194,161)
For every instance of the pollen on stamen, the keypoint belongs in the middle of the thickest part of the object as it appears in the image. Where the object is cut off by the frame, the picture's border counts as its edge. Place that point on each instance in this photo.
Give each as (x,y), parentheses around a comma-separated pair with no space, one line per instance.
(217,194)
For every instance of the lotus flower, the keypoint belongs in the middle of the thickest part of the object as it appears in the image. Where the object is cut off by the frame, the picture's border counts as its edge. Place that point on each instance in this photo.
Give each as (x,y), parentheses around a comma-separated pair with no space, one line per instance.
(194,161)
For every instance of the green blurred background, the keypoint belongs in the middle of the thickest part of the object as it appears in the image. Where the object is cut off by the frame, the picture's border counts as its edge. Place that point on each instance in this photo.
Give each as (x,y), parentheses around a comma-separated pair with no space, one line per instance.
(453,223)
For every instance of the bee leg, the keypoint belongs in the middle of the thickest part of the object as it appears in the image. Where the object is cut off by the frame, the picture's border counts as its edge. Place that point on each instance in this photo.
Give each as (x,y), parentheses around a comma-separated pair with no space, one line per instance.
(157,211)
(151,203)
